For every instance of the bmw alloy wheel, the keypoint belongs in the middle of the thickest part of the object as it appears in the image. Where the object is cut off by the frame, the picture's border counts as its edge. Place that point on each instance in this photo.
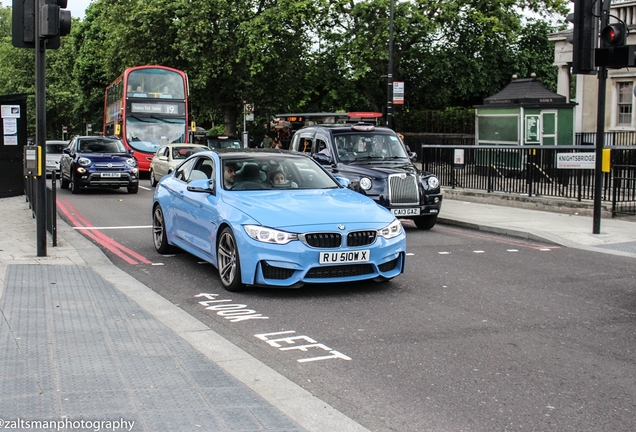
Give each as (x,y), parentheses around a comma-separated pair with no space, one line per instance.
(228,264)
(159,236)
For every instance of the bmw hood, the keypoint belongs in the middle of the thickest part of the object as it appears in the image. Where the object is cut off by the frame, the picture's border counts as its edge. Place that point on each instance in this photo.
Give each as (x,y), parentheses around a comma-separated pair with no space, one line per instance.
(309,207)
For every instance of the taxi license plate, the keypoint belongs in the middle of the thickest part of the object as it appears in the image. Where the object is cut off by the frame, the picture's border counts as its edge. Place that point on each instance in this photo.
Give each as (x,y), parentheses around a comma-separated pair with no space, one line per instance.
(344,257)
(406,211)
(111,175)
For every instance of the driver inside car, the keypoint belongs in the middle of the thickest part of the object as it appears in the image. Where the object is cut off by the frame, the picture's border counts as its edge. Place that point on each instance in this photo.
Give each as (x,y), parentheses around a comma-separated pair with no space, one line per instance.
(229,175)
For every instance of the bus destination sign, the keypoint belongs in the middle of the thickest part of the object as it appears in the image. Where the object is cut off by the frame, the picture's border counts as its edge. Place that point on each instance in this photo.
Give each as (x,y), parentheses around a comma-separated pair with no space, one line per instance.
(156,108)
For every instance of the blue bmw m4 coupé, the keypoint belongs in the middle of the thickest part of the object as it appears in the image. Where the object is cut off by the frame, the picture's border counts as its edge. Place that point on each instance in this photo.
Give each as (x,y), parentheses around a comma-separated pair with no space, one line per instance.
(274,218)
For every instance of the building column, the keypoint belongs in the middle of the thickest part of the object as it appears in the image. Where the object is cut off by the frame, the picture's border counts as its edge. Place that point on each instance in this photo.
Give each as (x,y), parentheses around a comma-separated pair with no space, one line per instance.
(563,81)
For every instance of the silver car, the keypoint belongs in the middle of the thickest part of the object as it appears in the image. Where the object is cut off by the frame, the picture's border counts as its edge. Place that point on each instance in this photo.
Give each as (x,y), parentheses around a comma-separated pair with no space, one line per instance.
(53,155)
(168,157)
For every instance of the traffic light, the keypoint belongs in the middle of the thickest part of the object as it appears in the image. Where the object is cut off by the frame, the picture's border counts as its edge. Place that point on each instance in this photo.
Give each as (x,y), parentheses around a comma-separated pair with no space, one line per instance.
(614,35)
(23,23)
(54,21)
(614,54)
(583,37)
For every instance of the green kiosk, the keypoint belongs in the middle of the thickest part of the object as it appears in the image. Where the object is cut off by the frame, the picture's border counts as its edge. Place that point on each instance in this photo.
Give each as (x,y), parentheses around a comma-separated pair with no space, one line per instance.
(523,113)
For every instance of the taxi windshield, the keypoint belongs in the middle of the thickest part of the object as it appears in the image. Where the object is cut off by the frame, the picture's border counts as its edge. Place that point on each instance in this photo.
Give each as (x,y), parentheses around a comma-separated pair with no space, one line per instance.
(365,146)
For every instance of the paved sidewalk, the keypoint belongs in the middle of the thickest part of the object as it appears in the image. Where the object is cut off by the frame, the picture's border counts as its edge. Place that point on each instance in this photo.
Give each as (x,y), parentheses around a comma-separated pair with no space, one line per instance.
(77,346)
(617,236)
(82,340)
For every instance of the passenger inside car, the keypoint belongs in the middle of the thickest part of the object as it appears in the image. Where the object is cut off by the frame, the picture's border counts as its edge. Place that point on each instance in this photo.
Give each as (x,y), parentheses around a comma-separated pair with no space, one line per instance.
(278,179)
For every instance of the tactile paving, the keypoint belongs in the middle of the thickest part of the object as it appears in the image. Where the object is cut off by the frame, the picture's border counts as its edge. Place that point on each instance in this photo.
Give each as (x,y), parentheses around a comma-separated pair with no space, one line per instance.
(73,346)
(629,247)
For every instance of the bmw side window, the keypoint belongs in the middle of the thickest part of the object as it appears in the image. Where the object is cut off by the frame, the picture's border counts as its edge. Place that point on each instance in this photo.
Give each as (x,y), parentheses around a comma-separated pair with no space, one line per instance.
(183,172)
(206,166)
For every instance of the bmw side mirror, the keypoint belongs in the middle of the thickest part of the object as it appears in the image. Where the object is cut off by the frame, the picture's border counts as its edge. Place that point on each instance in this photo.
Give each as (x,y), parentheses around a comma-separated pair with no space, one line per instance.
(203,185)
(343,181)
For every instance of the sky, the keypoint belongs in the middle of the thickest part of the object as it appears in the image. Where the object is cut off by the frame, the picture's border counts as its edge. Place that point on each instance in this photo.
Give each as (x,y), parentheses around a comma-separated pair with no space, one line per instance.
(77,7)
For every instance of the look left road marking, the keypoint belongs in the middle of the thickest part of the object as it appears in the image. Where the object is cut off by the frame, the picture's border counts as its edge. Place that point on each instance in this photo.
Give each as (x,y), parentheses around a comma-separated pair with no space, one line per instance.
(238,312)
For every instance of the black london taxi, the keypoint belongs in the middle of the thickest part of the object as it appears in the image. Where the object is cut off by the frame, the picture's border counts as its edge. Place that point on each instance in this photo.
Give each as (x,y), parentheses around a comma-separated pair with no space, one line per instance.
(378,165)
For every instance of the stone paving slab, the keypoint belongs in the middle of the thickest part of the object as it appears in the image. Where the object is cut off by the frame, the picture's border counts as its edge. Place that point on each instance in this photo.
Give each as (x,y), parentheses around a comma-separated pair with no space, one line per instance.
(74,347)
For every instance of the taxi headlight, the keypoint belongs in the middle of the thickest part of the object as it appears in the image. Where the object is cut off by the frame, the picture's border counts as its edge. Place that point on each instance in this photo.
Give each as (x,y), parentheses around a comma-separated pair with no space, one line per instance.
(84,161)
(430,183)
(392,230)
(365,183)
(269,235)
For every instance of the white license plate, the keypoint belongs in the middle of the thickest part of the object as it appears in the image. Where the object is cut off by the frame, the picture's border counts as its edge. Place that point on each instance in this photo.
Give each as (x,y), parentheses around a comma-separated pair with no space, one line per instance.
(406,211)
(344,257)
(111,175)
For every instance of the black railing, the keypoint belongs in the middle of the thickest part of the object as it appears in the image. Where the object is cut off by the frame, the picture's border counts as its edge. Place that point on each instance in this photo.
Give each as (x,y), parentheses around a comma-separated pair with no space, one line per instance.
(30,191)
(533,171)
(623,190)
(619,138)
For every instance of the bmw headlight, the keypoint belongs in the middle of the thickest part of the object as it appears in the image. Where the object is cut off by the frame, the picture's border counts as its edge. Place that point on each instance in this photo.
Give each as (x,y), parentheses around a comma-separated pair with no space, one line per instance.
(430,183)
(392,230)
(269,235)
(84,161)
(365,183)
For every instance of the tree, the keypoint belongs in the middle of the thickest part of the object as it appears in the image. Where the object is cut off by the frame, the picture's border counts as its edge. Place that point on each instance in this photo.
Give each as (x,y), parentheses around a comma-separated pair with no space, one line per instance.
(289,55)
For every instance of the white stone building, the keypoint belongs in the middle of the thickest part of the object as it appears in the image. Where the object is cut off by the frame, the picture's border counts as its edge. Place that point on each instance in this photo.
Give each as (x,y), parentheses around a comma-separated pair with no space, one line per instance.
(620,115)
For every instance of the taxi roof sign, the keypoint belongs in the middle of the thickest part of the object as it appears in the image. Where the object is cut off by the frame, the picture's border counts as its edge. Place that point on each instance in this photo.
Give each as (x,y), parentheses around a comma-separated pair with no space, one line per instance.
(364,114)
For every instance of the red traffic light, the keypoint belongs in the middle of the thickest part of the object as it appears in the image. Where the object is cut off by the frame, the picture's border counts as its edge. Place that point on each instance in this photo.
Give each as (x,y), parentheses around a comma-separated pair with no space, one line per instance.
(614,35)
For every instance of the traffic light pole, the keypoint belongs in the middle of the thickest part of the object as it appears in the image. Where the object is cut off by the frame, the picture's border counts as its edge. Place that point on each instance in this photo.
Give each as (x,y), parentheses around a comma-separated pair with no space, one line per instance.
(40,137)
(38,24)
(600,139)
(600,129)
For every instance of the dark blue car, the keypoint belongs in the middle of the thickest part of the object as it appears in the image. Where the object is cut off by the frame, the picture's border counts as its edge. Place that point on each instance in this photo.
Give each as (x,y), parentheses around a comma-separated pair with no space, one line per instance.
(98,162)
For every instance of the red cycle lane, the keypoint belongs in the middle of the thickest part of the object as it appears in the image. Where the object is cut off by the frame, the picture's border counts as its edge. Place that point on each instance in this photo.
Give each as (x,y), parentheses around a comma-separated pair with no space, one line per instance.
(78,221)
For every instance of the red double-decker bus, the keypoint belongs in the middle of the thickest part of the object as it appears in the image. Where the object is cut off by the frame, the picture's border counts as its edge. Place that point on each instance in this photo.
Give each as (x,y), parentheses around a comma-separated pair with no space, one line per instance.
(147,107)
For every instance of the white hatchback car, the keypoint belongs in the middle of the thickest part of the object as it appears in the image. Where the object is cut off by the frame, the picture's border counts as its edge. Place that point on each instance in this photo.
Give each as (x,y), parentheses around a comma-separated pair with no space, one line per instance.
(168,157)
(53,155)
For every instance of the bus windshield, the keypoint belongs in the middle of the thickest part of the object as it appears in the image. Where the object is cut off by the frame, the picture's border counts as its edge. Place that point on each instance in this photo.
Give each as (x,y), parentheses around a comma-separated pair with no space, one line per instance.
(155,83)
(147,134)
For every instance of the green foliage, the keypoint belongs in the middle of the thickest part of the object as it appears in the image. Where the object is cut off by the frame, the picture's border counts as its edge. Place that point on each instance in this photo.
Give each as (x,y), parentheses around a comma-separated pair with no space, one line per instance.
(290,55)
(216,130)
